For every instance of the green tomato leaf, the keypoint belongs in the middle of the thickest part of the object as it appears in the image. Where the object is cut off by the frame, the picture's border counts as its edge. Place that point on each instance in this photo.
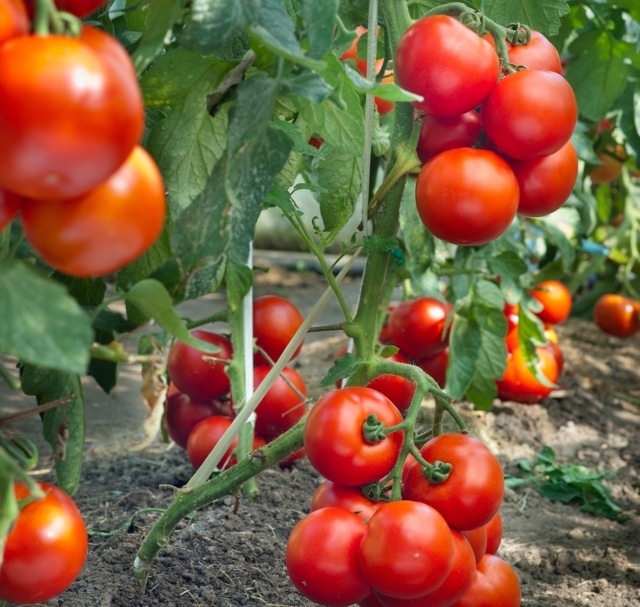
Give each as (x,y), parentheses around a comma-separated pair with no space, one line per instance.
(319,19)
(343,367)
(41,323)
(63,427)
(541,15)
(465,341)
(212,25)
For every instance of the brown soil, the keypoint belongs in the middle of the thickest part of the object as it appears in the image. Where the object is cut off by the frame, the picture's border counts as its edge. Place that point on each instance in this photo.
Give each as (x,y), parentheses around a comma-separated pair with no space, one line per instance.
(564,558)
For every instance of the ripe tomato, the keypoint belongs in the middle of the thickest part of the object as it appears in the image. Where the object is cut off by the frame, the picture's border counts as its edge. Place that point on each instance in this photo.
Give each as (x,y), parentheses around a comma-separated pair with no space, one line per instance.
(104,229)
(383,106)
(556,301)
(275,320)
(445,62)
(45,549)
(92,119)
(495,583)
(477,538)
(494,534)
(419,326)
(610,167)
(14,20)
(284,403)
(352,52)
(537,54)
(397,389)
(474,490)
(182,413)
(407,549)
(80,8)
(349,498)
(530,113)
(436,366)
(556,351)
(467,196)
(438,133)
(617,315)
(10,204)
(201,375)
(322,557)
(206,435)
(334,440)
(520,385)
(546,181)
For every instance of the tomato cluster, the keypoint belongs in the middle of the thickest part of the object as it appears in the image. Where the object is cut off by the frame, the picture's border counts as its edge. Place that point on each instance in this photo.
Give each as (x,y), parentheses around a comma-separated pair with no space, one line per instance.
(435,546)
(198,408)
(518,383)
(617,315)
(45,549)
(91,199)
(494,140)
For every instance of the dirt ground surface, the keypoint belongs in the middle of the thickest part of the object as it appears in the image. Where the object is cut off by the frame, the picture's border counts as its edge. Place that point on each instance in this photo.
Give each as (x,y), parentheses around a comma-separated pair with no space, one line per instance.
(218,558)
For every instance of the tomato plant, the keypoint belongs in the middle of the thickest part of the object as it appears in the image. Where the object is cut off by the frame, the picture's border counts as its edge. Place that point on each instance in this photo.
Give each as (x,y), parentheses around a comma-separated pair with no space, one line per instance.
(45,549)
(617,315)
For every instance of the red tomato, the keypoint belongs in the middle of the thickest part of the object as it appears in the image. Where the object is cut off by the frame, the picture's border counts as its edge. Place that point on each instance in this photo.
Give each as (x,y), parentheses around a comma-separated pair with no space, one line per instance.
(617,315)
(207,434)
(445,62)
(436,366)
(556,301)
(530,113)
(462,572)
(537,54)
(334,440)
(477,538)
(80,8)
(494,534)
(467,196)
(520,385)
(474,490)
(45,549)
(352,52)
(397,389)
(201,375)
(553,347)
(438,133)
(384,106)
(182,414)
(106,228)
(407,549)
(419,326)
(14,20)
(322,557)
(495,584)
(284,403)
(92,119)
(275,320)
(546,181)
(349,498)
(10,204)
(370,601)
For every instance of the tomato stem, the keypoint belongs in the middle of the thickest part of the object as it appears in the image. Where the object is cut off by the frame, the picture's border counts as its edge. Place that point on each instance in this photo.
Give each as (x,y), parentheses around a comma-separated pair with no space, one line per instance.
(49,20)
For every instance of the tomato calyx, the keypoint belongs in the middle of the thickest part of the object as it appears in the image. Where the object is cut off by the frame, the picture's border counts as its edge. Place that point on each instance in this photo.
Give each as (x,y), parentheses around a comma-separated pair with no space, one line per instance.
(49,20)
(438,472)
(375,431)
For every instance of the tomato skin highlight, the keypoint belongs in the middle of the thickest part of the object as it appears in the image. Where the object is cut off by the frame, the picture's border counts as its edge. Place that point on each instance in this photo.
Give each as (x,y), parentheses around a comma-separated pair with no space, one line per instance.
(106,228)
(467,196)
(334,441)
(45,150)
(45,549)
(446,63)
(530,113)
(474,490)
(321,557)
(617,315)
(407,549)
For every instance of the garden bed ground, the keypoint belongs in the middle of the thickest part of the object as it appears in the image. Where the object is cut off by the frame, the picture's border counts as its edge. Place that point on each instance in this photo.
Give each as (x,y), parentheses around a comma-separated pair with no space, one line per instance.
(219,558)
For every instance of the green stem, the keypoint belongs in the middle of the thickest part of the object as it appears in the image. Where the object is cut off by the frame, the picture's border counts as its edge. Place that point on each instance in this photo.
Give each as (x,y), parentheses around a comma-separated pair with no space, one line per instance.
(221,316)
(190,499)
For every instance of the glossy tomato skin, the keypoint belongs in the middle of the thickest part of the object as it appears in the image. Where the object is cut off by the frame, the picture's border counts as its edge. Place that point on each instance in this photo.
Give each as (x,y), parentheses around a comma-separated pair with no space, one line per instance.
(617,315)
(340,496)
(206,435)
(537,54)
(438,133)
(195,372)
(321,557)
(407,549)
(46,151)
(530,113)
(398,390)
(275,321)
(546,182)
(14,20)
(282,406)
(334,440)
(436,365)
(45,549)
(474,490)
(446,63)
(10,205)
(467,196)
(494,534)
(520,385)
(556,301)
(477,539)
(105,229)
(419,326)
(495,584)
